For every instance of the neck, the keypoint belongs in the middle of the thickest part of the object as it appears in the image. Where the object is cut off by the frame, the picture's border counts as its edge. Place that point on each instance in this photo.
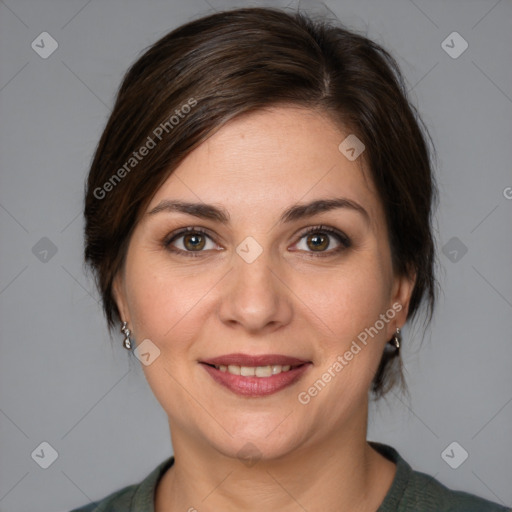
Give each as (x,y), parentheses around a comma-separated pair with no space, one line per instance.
(343,473)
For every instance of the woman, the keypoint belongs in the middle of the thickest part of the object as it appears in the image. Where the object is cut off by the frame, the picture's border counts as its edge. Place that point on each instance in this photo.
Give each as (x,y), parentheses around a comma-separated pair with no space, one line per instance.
(258,218)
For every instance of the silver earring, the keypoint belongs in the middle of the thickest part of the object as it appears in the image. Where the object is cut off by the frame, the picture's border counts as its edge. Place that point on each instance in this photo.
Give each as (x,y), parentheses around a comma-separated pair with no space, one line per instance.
(126,342)
(396,340)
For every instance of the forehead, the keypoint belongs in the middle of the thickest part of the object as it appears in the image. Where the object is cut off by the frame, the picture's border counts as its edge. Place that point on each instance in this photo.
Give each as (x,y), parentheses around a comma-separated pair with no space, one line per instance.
(268,160)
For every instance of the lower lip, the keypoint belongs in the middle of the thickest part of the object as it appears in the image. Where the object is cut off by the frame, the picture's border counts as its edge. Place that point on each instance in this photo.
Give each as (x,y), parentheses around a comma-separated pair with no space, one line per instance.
(257,386)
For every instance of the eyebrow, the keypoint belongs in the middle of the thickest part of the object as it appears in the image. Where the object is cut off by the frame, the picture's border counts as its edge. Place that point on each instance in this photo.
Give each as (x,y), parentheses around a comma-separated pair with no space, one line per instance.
(292,214)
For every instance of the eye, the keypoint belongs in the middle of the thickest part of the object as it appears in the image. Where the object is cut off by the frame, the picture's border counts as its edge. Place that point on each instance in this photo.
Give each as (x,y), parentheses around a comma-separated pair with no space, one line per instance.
(318,240)
(192,240)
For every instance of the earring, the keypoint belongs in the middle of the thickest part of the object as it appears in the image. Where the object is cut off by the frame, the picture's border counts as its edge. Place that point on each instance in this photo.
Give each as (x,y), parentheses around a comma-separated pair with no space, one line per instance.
(126,342)
(396,341)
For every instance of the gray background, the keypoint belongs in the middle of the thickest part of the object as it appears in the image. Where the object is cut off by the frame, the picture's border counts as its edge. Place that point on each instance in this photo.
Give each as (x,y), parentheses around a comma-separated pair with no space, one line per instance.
(61,379)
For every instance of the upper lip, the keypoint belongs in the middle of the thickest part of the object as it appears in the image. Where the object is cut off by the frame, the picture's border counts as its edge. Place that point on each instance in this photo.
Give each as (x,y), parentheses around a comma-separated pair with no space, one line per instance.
(259,360)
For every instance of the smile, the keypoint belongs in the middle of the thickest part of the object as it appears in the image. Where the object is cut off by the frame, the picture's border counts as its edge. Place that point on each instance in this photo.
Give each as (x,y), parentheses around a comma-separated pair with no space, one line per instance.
(254,371)
(255,376)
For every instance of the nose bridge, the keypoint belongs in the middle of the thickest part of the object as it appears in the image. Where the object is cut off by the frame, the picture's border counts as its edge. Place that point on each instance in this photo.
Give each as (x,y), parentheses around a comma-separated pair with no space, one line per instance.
(255,297)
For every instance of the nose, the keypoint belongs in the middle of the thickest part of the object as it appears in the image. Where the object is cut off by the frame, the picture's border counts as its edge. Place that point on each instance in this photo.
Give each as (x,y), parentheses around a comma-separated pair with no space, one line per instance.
(255,297)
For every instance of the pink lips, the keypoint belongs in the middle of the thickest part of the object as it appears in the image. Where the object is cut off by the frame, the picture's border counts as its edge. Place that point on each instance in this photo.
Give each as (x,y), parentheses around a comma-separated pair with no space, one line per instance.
(247,360)
(256,386)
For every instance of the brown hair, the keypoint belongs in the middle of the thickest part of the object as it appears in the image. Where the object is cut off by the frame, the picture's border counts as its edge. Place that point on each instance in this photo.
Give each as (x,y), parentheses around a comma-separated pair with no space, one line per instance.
(193,80)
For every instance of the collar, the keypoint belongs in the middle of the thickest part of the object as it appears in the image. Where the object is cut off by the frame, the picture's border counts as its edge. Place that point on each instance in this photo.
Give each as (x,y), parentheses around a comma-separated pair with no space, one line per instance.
(144,497)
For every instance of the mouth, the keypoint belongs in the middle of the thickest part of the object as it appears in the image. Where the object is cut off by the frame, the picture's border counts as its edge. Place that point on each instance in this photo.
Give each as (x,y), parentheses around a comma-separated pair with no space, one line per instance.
(255,371)
(255,376)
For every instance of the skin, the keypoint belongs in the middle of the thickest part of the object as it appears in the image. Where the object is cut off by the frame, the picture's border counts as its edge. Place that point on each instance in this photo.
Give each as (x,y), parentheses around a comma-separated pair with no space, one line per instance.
(287,301)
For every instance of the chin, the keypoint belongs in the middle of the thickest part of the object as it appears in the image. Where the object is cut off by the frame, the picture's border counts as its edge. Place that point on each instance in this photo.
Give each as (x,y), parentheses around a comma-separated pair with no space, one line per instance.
(265,440)
(250,450)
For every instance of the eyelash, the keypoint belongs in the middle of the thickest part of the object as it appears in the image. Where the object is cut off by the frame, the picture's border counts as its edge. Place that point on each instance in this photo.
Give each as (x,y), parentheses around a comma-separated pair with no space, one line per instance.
(344,241)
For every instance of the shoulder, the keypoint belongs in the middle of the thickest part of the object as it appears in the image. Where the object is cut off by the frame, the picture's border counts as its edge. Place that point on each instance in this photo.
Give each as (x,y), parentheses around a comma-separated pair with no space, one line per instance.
(133,498)
(414,491)
(423,492)
(118,501)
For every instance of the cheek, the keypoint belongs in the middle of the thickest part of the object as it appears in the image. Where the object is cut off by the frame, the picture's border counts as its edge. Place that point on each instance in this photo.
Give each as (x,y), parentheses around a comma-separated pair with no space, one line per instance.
(164,308)
(350,351)
(160,303)
(347,300)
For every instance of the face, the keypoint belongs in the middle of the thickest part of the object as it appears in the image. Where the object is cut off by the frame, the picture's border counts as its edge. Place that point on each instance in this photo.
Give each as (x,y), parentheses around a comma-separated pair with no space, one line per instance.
(300,301)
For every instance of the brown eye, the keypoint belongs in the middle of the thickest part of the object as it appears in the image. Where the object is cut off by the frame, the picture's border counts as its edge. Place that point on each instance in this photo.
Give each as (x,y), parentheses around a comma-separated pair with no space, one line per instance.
(189,242)
(320,238)
(318,242)
(194,242)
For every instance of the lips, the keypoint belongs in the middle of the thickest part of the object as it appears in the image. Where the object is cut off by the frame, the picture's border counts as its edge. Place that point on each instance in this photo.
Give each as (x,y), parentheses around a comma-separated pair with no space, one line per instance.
(255,376)
(248,360)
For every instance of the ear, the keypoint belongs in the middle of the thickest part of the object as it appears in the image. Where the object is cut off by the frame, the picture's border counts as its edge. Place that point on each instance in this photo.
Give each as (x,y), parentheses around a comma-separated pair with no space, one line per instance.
(403,287)
(119,293)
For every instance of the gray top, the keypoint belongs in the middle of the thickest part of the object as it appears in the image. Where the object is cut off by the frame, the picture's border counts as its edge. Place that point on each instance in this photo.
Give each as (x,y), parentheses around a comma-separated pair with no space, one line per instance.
(411,491)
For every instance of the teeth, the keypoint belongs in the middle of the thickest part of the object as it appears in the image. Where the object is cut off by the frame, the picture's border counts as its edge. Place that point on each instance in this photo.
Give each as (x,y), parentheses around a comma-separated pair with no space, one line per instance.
(233,369)
(247,371)
(263,371)
(254,371)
